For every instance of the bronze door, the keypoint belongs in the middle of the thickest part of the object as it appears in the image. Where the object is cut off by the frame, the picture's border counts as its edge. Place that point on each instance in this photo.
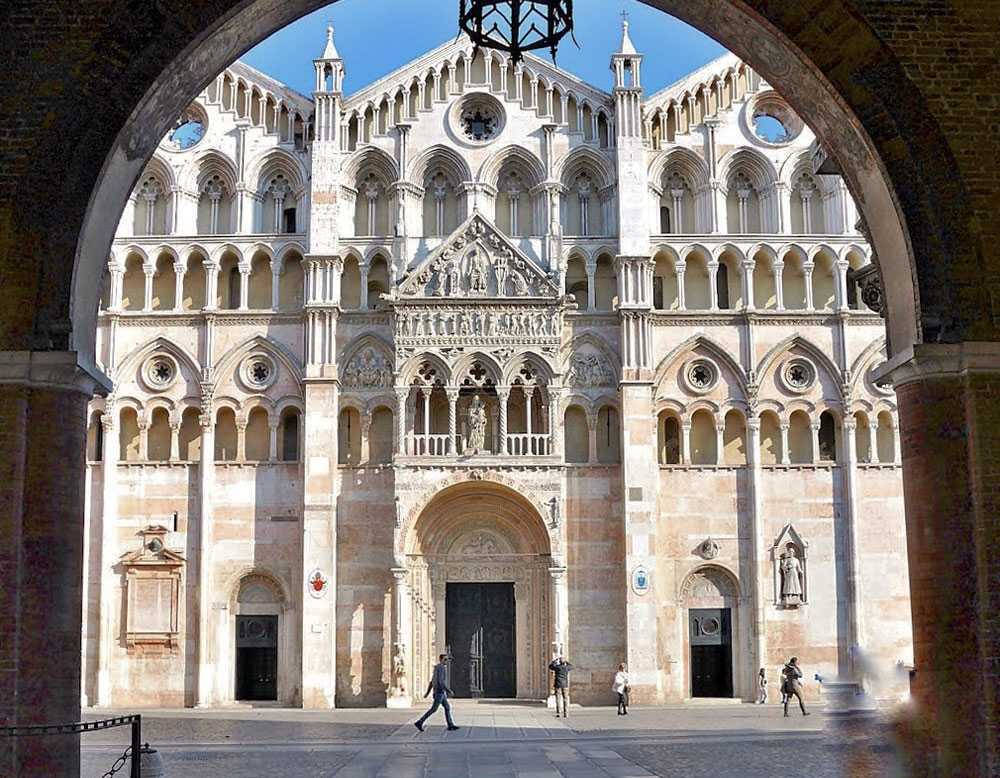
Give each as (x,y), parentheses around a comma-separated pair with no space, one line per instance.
(257,658)
(711,652)
(480,632)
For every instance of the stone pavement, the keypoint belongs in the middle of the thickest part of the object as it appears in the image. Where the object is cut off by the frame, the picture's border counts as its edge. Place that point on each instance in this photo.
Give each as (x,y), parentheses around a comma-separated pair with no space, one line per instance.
(495,741)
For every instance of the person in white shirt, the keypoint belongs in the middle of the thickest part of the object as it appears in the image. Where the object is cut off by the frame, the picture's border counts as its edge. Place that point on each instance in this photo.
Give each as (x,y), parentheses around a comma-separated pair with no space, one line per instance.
(621,688)
(761,687)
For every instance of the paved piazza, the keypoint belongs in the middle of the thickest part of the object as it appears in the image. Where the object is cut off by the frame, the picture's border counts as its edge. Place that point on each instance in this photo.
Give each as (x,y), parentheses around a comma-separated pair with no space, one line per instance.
(496,741)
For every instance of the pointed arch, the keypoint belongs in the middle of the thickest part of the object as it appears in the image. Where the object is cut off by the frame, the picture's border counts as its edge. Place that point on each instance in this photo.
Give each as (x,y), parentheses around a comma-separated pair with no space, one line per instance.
(441,157)
(489,172)
(594,340)
(685,162)
(371,159)
(362,342)
(408,373)
(161,344)
(715,349)
(228,362)
(752,163)
(797,341)
(274,161)
(211,162)
(863,360)
(584,159)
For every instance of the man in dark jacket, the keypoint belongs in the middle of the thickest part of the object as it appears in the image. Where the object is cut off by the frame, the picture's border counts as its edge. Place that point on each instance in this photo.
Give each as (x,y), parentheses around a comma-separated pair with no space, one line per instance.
(792,684)
(560,683)
(439,685)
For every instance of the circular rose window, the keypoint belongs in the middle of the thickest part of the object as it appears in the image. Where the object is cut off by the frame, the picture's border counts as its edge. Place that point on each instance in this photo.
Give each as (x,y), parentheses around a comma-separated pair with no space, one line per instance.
(700,376)
(159,372)
(188,130)
(710,626)
(258,372)
(798,375)
(478,119)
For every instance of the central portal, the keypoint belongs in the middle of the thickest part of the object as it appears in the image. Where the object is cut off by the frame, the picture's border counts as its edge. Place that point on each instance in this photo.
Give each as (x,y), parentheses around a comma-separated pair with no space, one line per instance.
(481,636)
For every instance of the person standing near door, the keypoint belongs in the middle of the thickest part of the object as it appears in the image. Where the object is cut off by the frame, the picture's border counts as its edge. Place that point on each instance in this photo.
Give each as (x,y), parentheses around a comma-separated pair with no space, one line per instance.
(761,687)
(793,684)
(560,683)
(439,685)
(620,687)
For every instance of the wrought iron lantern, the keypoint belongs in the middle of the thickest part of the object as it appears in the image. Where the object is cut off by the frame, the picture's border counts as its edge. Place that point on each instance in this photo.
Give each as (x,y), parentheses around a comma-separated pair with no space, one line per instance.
(516,26)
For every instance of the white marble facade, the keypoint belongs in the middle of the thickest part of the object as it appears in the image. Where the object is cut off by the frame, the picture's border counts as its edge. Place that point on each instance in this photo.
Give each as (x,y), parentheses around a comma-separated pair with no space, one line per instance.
(481,322)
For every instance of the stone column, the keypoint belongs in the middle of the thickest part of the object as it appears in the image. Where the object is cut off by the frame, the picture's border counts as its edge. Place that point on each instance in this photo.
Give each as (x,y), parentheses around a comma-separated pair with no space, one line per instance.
(400,693)
(503,394)
(679,269)
(555,425)
(560,611)
(529,395)
(713,288)
(426,394)
(786,455)
(779,284)
(748,293)
(757,549)
(807,270)
(276,269)
(720,443)
(241,440)
(211,285)
(686,443)
(147,298)
(949,403)
(452,419)
(591,267)
(143,439)
(854,596)
(840,271)
(366,425)
(205,692)
(402,394)
(815,427)
(272,427)
(873,445)
(108,551)
(244,286)
(175,429)
(43,408)
(180,269)
(592,436)
(319,545)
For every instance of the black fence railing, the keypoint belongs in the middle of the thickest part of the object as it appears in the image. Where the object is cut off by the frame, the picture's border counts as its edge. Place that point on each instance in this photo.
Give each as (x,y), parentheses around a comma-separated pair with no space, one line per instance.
(133,751)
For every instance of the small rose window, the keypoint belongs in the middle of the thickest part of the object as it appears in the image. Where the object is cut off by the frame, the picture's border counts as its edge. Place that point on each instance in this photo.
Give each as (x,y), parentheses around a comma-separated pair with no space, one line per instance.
(798,375)
(701,376)
(259,372)
(160,373)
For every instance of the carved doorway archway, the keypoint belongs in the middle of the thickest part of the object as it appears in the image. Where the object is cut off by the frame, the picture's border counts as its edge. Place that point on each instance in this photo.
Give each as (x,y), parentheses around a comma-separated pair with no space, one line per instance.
(710,608)
(481,533)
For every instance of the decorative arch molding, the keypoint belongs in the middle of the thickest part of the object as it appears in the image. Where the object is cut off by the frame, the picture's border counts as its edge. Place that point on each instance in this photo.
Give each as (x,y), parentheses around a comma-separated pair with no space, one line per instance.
(715,349)
(158,168)
(527,357)
(282,251)
(474,482)
(584,159)
(440,157)
(598,343)
(864,360)
(229,362)
(771,358)
(366,341)
(752,163)
(698,249)
(726,582)
(466,362)
(373,160)
(273,161)
(823,248)
(489,173)
(208,163)
(794,165)
(732,248)
(257,575)
(159,344)
(226,248)
(688,165)
(408,372)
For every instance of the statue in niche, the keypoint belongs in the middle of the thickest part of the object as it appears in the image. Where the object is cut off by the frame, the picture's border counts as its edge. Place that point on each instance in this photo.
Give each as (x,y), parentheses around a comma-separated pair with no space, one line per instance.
(399,673)
(477,426)
(477,273)
(791,577)
(399,513)
(554,517)
(450,279)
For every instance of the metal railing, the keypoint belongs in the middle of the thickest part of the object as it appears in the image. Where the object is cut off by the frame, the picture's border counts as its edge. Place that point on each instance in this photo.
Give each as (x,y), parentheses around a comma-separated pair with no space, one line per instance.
(133,751)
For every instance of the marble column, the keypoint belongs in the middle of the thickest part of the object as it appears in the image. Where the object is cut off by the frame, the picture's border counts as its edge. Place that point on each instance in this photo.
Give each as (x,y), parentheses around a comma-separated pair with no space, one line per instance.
(503,395)
(854,594)
(204,692)
(452,392)
(400,693)
(560,611)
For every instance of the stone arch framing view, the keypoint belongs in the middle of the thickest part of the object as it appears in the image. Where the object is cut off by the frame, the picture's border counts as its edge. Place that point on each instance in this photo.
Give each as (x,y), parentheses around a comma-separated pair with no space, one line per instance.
(921,218)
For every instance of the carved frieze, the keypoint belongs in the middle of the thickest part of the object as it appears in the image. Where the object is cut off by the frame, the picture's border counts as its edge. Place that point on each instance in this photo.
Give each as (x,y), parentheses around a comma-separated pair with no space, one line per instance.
(589,370)
(368,369)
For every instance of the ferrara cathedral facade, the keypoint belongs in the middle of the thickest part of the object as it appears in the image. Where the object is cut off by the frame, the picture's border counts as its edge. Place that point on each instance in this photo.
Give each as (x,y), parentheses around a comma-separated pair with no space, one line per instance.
(487,361)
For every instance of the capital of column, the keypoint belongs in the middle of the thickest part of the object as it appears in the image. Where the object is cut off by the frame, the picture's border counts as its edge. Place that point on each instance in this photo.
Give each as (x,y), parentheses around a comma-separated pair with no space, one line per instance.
(452,392)
(503,392)
(557,573)
(815,426)
(399,574)
(850,426)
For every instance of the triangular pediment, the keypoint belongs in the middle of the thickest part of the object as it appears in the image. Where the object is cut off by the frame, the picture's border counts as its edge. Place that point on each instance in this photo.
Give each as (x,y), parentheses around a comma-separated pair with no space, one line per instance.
(478,262)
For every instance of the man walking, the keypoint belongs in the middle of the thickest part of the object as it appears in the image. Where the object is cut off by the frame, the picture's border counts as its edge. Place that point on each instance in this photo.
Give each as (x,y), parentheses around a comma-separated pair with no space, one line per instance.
(560,683)
(439,685)
(792,684)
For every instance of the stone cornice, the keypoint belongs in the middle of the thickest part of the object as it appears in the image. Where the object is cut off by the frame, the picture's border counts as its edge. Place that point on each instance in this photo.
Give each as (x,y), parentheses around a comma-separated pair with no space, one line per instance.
(939,360)
(54,370)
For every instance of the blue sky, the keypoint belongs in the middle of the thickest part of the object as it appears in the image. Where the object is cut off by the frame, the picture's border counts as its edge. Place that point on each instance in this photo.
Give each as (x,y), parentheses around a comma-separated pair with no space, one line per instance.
(377,36)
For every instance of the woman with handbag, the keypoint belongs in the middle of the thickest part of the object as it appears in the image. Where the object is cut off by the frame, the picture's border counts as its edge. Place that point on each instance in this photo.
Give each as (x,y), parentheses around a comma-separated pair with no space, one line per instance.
(621,688)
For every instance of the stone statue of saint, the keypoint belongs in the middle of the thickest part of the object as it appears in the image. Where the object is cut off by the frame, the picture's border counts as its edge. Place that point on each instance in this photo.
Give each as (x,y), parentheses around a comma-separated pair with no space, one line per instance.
(477,426)
(477,272)
(452,278)
(791,577)
(399,514)
(554,512)
(399,673)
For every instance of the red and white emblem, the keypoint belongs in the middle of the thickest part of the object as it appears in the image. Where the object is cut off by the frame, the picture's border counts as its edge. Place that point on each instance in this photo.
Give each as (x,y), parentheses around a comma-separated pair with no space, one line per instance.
(318,583)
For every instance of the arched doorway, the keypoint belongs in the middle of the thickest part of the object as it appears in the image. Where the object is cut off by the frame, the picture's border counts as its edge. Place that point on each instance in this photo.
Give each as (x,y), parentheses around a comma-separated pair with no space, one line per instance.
(482,587)
(257,644)
(711,633)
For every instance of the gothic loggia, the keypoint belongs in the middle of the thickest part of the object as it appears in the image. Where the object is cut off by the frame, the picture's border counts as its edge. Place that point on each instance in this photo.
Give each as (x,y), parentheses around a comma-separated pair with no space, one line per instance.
(486,359)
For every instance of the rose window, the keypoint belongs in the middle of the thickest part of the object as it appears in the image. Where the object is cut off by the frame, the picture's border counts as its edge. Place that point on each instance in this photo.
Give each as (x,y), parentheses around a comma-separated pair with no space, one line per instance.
(798,375)
(159,373)
(258,372)
(479,124)
(701,376)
